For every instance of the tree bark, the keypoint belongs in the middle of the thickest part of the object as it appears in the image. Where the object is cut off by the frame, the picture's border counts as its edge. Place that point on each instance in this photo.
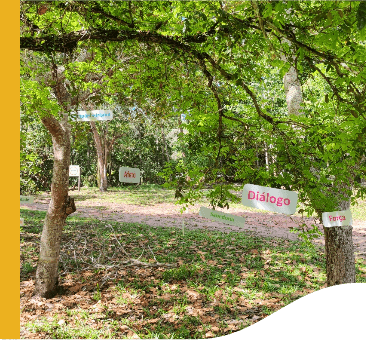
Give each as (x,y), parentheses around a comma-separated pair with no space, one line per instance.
(102,153)
(61,205)
(164,146)
(340,267)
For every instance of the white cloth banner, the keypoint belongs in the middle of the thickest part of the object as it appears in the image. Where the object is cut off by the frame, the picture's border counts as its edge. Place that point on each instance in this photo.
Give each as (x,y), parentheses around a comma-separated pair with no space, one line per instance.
(271,199)
(129,175)
(95,115)
(337,218)
(222,217)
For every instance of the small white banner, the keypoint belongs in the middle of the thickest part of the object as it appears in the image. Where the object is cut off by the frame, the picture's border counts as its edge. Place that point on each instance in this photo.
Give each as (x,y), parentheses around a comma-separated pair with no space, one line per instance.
(95,115)
(337,218)
(26,199)
(21,221)
(222,217)
(74,170)
(129,175)
(271,199)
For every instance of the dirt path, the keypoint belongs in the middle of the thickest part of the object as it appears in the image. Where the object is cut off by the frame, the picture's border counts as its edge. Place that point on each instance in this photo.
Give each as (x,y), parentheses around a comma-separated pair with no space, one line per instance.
(168,215)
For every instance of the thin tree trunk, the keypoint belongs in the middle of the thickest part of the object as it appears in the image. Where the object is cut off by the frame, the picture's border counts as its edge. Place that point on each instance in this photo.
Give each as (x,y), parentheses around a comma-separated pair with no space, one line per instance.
(266,157)
(61,205)
(164,145)
(101,158)
(340,267)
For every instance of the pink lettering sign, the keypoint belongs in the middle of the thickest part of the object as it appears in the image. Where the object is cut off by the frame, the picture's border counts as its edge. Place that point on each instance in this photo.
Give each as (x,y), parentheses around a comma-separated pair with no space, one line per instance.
(265,198)
(337,218)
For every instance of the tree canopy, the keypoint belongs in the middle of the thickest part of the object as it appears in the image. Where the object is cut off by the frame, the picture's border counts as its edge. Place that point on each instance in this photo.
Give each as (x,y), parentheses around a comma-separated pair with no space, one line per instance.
(238,51)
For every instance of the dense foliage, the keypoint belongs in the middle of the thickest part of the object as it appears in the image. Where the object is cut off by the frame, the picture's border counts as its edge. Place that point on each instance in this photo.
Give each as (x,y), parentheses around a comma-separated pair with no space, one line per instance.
(222,64)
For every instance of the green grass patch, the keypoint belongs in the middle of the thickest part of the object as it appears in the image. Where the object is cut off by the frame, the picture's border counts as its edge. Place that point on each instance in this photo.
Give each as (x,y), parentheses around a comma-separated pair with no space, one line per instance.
(221,277)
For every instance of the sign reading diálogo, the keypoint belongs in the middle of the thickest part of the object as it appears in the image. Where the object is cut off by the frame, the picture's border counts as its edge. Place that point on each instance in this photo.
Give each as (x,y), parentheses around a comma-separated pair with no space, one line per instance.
(129,175)
(26,199)
(337,218)
(222,217)
(74,170)
(86,116)
(271,199)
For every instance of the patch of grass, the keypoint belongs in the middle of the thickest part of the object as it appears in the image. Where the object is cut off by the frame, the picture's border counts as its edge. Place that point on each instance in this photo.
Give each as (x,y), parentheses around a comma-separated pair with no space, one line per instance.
(78,330)
(28,268)
(184,272)
(220,277)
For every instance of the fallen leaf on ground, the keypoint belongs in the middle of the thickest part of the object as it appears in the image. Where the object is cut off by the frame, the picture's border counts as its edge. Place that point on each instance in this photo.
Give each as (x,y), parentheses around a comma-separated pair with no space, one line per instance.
(254,251)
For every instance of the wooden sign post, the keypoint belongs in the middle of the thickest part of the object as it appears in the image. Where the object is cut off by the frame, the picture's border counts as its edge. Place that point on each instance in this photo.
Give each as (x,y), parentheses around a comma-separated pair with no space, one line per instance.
(74,171)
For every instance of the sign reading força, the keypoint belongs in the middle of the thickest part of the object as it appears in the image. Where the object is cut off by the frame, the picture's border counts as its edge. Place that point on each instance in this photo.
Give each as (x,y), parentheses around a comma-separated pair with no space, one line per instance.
(74,170)
(271,199)
(26,199)
(95,115)
(337,218)
(129,175)
(222,217)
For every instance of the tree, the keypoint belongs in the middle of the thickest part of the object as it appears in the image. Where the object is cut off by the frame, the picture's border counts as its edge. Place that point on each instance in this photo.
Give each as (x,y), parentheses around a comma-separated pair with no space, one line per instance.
(47,91)
(232,47)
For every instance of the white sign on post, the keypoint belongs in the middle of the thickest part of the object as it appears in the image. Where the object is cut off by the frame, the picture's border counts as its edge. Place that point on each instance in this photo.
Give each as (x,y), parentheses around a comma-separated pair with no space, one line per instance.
(95,115)
(26,199)
(271,199)
(337,218)
(74,170)
(222,217)
(129,175)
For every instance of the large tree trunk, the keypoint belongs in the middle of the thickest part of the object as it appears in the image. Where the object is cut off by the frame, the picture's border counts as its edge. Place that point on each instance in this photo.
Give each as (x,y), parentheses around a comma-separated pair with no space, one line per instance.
(340,267)
(102,153)
(61,205)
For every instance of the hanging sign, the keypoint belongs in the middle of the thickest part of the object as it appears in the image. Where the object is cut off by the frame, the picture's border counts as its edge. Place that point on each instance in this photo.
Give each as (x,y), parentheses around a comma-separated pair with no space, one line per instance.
(95,115)
(337,218)
(222,217)
(26,199)
(129,175)
(271,199)
(74,170)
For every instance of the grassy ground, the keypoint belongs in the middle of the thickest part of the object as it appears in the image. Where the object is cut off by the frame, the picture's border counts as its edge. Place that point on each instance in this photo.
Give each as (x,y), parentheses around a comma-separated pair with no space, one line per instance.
(149,194)
(224,282)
